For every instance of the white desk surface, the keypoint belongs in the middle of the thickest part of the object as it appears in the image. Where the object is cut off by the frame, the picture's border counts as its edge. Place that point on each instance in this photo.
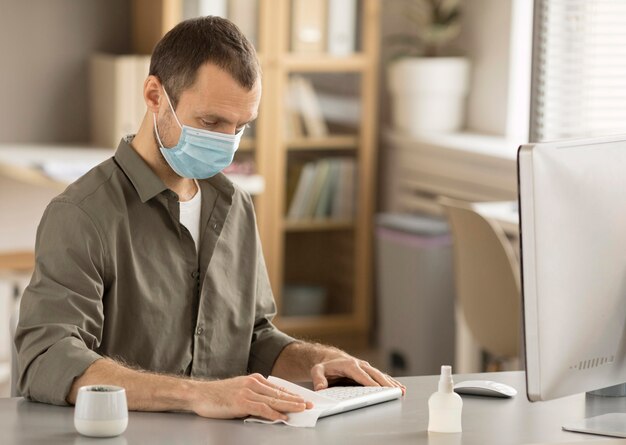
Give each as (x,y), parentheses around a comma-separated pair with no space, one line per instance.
(486,421)
(57,166)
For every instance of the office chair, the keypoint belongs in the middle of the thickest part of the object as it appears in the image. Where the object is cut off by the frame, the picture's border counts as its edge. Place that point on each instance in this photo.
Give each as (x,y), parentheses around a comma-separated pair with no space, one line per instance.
(487,281)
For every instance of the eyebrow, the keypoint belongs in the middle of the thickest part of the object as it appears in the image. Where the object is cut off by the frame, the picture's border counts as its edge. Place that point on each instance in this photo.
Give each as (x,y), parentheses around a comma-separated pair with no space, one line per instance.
(221,119)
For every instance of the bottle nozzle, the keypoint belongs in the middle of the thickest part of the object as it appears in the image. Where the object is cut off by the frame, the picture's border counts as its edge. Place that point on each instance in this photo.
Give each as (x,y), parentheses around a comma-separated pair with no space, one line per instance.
(445,380)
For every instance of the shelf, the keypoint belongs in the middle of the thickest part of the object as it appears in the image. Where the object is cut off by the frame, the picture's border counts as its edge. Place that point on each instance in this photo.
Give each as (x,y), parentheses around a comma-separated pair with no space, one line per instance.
(317,225)
(23,261)
(324,63)
(304,248)
(349,142)
(321,324)
(32,176)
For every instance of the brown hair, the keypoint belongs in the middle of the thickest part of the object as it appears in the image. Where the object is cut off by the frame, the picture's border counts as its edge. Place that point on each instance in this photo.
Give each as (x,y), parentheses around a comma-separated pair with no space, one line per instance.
(192,43)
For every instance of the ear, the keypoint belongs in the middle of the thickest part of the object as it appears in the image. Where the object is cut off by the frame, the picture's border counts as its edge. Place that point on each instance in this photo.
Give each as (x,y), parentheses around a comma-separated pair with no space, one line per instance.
(152,93)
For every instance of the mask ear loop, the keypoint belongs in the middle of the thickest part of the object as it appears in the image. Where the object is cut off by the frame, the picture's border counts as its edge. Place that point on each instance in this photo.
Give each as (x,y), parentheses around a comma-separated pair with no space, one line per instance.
(156,129)
(171,107)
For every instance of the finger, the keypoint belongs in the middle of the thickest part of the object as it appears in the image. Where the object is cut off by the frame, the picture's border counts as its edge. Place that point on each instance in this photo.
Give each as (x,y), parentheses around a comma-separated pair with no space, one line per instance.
(282,406)
(357,374)
(397,383)
(268,389)
(266,383)
(378,376)
(381,377)
(265,411)
(318,377)
(351,369)
(387,379)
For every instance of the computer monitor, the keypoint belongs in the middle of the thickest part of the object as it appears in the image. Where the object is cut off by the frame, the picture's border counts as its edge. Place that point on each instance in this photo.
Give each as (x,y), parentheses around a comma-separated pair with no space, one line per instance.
(573,254)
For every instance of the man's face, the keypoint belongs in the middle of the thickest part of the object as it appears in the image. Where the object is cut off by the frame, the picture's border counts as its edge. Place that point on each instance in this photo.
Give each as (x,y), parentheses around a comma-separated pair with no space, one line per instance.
(215,102)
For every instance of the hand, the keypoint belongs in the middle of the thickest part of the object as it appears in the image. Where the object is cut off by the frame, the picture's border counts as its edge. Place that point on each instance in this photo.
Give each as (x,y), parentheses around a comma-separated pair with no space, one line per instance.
(243,396)
(360,371)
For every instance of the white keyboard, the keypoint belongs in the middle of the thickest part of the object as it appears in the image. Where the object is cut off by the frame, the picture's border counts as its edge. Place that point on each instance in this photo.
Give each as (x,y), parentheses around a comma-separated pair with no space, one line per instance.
(350,392)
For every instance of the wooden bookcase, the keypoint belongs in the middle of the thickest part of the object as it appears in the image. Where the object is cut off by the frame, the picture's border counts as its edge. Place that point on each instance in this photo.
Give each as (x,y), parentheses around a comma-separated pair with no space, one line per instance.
(335,254)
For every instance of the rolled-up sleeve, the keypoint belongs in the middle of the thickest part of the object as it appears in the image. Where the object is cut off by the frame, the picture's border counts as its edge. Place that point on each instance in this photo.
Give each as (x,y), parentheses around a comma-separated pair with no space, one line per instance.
(267,340)
(61,312)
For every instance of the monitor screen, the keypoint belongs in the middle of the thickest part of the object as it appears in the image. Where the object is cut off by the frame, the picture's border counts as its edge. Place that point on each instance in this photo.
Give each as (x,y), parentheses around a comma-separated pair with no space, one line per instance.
(573,254)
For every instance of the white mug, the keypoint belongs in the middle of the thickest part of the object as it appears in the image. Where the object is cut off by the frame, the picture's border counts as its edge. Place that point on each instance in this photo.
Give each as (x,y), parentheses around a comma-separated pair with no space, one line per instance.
(101,411)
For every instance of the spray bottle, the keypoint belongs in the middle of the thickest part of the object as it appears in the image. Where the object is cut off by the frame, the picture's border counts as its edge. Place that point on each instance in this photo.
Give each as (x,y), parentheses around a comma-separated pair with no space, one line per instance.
(445,406)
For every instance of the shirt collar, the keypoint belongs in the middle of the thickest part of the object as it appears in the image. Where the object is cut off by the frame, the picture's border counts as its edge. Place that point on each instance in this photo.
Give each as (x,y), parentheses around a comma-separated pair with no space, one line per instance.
(146,182)
(223,185)
(149,185)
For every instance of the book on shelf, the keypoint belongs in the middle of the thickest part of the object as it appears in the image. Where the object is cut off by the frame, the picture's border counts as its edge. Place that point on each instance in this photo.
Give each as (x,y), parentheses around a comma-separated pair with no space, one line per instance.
(294,171)
(303,99)
(341,27)
(116,93)
(302,195)
(343,110)
(324,203)
(319,185)
(293,125)
(325,190)
(308,26)
(343,200)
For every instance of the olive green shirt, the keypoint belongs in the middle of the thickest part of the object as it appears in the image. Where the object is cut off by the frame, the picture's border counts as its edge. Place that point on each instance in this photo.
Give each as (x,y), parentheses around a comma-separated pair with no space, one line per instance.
(118,275)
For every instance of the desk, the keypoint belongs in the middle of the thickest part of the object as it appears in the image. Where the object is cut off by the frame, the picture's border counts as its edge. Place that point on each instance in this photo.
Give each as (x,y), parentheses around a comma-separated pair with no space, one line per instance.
(58,166)
(485,421)
(31,175)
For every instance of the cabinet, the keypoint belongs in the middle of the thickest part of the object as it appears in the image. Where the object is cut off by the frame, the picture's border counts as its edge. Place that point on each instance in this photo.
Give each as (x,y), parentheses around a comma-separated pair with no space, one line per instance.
(334,255)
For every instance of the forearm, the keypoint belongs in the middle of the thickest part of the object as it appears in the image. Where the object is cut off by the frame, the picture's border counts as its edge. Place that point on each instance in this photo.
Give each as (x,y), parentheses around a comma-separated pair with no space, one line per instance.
(296,360)
(144,391)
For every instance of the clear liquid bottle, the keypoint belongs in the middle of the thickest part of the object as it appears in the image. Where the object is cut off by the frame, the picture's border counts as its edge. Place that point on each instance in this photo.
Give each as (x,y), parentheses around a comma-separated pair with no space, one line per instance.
(445,406)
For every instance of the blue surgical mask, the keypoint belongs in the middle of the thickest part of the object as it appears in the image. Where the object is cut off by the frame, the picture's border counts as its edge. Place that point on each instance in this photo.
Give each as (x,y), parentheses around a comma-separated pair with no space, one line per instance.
(199,154)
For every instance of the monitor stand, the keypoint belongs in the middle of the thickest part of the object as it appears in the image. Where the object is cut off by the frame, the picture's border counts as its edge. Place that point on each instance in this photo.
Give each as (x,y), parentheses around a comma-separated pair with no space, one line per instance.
(612,424)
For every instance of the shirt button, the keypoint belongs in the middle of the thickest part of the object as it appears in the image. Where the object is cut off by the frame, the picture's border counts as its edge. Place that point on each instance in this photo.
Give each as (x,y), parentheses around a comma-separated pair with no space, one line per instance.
(195,274)
(216,227)
(200,330)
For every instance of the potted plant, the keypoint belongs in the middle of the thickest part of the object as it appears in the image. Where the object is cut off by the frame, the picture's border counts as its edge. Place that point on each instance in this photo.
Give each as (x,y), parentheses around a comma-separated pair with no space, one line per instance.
(428,85)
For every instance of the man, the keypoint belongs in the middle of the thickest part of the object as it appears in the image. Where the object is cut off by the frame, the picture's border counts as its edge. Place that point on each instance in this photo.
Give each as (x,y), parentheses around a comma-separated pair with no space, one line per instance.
(149,271)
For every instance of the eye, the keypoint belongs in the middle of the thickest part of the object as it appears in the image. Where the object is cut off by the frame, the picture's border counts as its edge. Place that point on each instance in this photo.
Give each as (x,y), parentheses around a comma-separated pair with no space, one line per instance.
(206,123)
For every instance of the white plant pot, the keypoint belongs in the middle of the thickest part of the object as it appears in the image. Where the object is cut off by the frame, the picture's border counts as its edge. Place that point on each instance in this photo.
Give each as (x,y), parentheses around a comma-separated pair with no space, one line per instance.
(428,94)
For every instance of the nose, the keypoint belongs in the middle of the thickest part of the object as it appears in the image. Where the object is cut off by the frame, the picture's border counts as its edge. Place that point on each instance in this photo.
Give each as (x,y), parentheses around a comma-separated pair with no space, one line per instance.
(227,129)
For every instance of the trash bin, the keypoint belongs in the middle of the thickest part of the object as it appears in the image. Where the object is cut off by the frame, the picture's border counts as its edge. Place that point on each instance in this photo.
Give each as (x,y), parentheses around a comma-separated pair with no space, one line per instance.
(415,301)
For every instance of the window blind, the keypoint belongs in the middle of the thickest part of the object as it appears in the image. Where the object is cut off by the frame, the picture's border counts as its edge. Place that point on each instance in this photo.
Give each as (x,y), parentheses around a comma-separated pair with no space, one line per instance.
(579,69)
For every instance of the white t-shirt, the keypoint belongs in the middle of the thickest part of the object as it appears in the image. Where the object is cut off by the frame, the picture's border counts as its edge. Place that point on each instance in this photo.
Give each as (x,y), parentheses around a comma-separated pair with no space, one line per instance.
(190,215)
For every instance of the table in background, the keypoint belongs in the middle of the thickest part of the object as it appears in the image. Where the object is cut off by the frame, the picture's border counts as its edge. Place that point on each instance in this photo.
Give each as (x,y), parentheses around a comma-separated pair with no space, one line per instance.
(485,421)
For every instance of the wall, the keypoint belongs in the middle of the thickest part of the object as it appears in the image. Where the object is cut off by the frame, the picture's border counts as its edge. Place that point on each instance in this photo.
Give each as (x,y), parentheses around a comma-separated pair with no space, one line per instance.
(497,37)
(44,50)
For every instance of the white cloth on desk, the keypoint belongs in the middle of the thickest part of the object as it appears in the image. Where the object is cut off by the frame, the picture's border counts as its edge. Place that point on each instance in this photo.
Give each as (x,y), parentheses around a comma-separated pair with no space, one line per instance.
(306,418)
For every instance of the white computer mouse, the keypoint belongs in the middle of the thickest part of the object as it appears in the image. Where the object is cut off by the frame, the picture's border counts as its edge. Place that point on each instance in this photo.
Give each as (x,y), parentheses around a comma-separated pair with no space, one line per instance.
(485,388)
